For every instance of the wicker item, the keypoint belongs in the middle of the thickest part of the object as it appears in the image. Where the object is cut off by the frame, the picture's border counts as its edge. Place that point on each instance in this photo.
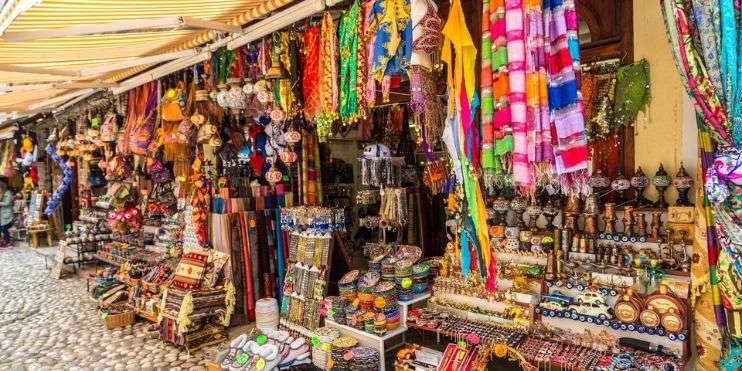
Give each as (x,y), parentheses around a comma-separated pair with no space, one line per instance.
(124,318)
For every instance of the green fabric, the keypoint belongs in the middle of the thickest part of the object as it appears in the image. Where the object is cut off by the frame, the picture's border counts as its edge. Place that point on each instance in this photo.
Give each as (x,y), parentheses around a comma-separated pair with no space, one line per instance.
(348,30)
(632,92)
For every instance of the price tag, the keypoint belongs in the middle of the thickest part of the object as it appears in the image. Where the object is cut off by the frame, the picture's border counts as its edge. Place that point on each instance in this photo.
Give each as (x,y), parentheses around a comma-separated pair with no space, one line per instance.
(241,359)
(103,315)
(315,341)
(406,283)
(462,344)
(260,364)
(261,339)
(326,347)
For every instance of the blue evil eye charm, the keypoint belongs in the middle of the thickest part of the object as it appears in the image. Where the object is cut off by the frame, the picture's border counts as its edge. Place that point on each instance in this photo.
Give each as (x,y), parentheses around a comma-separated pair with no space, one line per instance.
(601,236)
(651,331)
(624,327)
(616,238)
(606,322)
(574,315)
(559,283)
(590,320)
(661,331)
(632,327)
(582,318)
(624,239)
(672,337)
(552,313)
(537,310)
(632,239)
(613,292)
(569,285)
(615,326)
(642,239)
(681,336)
(549,284)
(641,329)
(560,314)
(580,287)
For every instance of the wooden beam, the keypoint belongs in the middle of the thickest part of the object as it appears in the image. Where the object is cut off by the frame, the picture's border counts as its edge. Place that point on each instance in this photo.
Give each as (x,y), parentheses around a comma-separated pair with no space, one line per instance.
(95,70)
(119,27)
(85,84)
(60,99)
(37,70)
(26,87)
(191,22)
(90,29)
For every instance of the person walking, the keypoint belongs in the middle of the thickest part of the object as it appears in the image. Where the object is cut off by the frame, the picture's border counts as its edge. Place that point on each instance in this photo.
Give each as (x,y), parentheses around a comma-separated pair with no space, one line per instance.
(6,214)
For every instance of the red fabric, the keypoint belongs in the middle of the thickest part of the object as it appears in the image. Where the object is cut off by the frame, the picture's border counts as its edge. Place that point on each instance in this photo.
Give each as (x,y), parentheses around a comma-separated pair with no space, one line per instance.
(310,73)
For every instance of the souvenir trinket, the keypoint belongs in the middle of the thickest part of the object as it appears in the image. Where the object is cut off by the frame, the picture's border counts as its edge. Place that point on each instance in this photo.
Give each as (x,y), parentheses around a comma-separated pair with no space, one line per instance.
(661,181)
(683,183)
(640,182)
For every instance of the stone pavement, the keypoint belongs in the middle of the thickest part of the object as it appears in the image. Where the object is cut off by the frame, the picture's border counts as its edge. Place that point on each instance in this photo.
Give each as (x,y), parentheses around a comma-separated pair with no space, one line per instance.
(48,324)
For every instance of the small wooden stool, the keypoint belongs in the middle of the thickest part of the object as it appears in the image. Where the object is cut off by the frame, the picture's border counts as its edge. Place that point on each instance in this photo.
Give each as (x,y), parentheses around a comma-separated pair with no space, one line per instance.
(34,233)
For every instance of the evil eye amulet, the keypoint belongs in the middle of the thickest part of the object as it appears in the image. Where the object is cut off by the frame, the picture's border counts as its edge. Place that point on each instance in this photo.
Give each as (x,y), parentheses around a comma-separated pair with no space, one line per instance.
(641,329)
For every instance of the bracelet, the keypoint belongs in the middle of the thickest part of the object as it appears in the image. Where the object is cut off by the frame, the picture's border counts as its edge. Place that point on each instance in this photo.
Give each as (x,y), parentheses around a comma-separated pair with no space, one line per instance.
(623,361)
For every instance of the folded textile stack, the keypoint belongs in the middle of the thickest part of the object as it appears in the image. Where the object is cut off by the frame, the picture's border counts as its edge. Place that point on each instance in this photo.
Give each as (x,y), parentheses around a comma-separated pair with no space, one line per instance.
(347,285)
(266,314)
(364,358)
(334,308)
(323,345)
(420,274)
(340,347)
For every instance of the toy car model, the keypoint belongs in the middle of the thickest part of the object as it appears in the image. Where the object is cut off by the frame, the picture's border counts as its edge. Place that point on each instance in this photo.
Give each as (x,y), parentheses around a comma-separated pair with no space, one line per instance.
(600,310)
(590,298)
(555,302)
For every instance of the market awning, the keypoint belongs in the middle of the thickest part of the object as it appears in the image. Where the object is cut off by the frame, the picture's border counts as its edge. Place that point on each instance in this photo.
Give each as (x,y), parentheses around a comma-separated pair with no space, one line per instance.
(43,57)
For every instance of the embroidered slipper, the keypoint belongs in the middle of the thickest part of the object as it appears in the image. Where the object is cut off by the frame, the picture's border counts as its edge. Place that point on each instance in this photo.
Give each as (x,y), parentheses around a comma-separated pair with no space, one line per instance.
(238,342)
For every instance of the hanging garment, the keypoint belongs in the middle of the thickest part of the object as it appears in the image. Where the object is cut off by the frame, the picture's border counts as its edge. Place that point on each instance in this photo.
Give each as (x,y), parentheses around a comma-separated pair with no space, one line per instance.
(391,24)
(349,44)
(328,76)
(463,102)
(310,72)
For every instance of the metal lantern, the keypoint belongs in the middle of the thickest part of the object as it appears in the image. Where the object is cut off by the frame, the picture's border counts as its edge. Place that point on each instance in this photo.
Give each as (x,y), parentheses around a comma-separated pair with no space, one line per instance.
(683,183)
(661,181)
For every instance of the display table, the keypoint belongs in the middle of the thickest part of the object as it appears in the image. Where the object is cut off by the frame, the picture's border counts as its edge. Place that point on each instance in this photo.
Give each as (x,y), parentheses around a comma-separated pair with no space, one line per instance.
(405,306)
(390,341)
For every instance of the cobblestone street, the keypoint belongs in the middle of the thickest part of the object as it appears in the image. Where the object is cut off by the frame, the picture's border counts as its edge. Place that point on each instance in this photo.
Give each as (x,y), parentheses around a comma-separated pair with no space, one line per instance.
(48,324)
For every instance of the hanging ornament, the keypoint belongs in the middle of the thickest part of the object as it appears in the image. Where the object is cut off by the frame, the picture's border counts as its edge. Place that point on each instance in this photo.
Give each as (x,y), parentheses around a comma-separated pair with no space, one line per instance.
(273,175)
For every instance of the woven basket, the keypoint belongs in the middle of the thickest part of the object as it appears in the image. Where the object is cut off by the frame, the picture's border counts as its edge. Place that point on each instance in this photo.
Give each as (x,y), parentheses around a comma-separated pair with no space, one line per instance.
(122,319)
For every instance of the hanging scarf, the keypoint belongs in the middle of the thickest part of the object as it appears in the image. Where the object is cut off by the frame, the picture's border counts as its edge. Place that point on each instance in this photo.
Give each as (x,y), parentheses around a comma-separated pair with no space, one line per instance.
(368,42)
(693,74)
(310,73)
(350,108)
(462,91)
(514,18)
(540,152)
(562,51)
(391,24)
(328,73)
(502,128)
(488,131)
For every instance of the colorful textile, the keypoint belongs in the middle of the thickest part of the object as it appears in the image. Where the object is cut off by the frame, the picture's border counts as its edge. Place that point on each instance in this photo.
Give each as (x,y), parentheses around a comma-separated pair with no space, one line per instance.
(537,113)
(463,101)
(310,73)
(502,129)
(632,92)
(568,127)
(349,28)
(190,270)
(516,50)
(328,76)
(693,73)
(391,24)
(488,130)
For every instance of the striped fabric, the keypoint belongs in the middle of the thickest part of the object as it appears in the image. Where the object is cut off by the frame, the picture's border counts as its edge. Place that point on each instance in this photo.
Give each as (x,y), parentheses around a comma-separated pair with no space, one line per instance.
(503,131)
(514,28)
(488,134)
(568,126)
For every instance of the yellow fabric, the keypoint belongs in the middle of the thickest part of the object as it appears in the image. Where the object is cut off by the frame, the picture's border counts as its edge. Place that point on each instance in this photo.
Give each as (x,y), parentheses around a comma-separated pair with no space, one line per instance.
(457,37)
(706,332)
